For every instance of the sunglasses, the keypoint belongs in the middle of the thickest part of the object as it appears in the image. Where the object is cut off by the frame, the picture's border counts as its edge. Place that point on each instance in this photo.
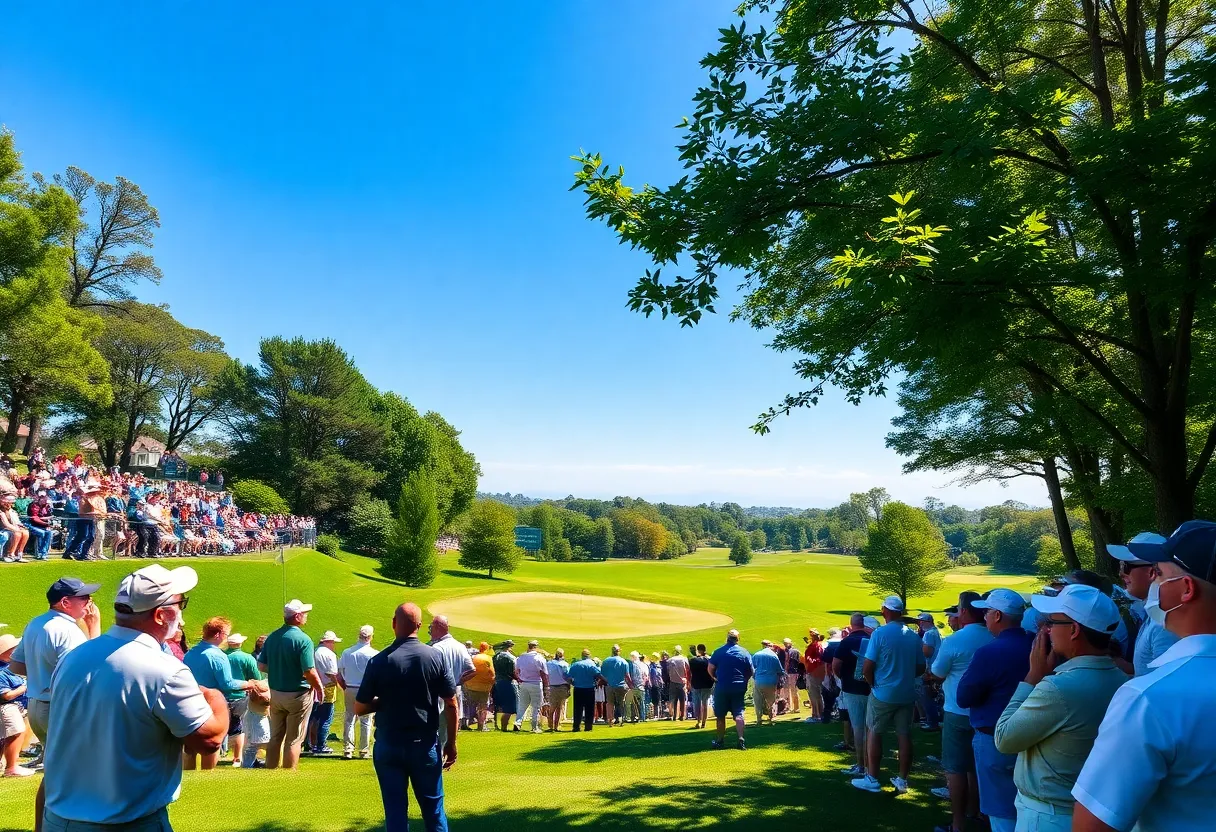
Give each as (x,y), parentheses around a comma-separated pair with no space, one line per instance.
(1058,622)
(183,603)
(1128,568)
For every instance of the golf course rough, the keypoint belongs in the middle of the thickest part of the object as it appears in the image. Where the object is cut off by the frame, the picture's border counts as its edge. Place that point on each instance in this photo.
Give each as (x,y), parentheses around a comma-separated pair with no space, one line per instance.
(573,615)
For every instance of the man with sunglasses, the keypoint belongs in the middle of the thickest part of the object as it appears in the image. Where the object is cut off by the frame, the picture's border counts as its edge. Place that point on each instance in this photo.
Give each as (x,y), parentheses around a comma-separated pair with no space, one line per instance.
(122,712)
(1052,720)
(1153,765)
(1152,640)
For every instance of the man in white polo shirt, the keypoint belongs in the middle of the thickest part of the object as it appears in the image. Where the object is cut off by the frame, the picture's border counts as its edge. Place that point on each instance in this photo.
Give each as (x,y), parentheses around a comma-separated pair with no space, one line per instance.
(533,684)
(122,712)
(456,660)
(1153,765)
(351,666)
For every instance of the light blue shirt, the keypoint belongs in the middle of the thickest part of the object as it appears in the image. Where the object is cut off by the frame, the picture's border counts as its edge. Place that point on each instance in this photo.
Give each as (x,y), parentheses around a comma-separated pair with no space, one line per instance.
(954,658)
(46,640)
(558,668)
(895,651)
(137,702)
(614,670)
(933,640)
(211,668)
(767,666)
(582,674)
(1153,765)
(1151,643)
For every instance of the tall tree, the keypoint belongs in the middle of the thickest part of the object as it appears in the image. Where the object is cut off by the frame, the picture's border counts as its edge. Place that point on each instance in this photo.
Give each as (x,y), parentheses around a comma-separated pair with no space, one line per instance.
(1067,169)
(740,549)
(905,554)
(193,391)
(411,555)
(489,539)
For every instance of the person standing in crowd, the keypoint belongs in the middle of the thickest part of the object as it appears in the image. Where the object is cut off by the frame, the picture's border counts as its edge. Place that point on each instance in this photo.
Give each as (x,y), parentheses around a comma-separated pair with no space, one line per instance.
(1151,639)
(930,643)
(244,668)
(893,660)
(654,686)
(1052,720)
(457,661)
(677,684)
(702,686)
(793,674)
(121,766)
(287,660)
(319,721)
(92,508)
(403,686)
(583,675)
(767,672)
(212,669)
(812,660)
(986,688)
(351,666)
(506,692)
(478,686)
(559,688)
(832,701)
(958,750)
(730,666)
(533,676)
(615,672)
(1153,766)
(854,689)
(13,728)
(635,701)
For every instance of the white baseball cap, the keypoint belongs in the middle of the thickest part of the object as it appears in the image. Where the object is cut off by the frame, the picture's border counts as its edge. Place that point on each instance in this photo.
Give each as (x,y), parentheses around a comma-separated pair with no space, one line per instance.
(1086,605)
(1002,600)
(295,606)
(153,586)
(925,616)
(237,638)
(872,622)
(1143,543)
(330,635)
(366,632)
(893,603)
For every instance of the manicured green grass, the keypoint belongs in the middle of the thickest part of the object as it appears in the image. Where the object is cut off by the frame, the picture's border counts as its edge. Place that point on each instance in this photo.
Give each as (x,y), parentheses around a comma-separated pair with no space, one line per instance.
(655,776)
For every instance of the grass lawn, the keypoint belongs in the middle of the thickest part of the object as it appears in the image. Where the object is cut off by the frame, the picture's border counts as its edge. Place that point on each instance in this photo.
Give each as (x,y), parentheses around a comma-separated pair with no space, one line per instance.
(654,776)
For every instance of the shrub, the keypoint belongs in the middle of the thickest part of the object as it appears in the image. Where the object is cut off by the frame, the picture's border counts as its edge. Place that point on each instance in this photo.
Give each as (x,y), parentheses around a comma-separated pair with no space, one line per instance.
(370,521)
(328,544)
(253,495)
(967,559)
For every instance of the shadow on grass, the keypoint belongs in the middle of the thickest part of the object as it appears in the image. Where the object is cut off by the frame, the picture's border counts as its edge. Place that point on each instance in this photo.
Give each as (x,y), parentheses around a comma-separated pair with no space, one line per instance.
(464,573)
(380,579)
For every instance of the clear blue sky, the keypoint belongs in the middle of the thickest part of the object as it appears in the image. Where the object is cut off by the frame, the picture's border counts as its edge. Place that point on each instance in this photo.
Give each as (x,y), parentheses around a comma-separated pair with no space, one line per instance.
(395,178)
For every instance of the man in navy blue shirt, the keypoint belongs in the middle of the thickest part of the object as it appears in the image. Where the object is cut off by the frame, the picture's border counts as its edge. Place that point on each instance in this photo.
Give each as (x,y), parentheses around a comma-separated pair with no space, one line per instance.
(986,688)
(731,669)
(403,685)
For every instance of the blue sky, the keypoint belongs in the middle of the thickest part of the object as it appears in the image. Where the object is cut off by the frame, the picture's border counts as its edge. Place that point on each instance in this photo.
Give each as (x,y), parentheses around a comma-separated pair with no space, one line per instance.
(395,178)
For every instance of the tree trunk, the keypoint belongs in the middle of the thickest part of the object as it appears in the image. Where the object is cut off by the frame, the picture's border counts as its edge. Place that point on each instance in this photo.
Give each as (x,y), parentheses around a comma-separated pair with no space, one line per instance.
(1174,496)
(1052,474)
(15,413)
(31,441)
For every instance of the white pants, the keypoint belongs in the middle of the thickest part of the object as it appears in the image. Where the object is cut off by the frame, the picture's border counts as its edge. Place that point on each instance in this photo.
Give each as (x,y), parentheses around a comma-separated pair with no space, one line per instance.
(348,724)
(1036,816)
(530,693)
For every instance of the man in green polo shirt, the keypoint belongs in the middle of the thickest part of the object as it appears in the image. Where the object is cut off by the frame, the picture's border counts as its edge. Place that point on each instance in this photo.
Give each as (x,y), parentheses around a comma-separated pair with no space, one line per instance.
(244,669)
(287,661)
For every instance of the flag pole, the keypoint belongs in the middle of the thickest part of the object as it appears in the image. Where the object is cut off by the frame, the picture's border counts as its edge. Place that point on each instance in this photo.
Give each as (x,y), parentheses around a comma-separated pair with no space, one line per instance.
(283,561)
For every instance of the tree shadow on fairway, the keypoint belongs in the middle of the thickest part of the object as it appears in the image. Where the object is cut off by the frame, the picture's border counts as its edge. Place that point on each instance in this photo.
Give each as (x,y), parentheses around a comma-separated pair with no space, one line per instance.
(380,579)
(463,573)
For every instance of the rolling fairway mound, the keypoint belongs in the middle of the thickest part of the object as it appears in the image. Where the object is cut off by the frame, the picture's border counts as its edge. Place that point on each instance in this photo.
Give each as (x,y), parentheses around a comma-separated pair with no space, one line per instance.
(566,615)
(654,776)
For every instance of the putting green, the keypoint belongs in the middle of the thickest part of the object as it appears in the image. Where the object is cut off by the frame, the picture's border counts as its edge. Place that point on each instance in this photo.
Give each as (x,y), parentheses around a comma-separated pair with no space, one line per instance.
(569,615)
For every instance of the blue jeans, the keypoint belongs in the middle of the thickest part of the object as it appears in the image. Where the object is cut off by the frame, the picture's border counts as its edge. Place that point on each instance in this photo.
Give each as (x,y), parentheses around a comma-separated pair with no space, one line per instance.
(994,771)
(322,717)
(40,541)
(928,706)
(402,764)
(82,542)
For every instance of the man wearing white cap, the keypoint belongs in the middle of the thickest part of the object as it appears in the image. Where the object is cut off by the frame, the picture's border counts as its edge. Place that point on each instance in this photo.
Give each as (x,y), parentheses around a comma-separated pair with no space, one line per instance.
(322,716)
(351,666)
(1052,720)
(533,685)
(290,668)
(893,660)
(1151,639)
(986,688)
(123,710)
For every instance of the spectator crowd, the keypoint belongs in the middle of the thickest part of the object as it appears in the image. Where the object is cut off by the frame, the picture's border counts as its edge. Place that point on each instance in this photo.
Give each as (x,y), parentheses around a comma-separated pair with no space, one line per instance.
(1082,707)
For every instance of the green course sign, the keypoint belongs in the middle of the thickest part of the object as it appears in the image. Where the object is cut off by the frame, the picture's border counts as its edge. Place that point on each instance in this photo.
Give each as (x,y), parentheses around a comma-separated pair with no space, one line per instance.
(529,538)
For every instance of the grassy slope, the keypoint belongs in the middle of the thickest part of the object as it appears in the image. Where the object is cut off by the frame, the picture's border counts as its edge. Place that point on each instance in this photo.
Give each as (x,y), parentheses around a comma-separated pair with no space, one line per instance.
(657,776)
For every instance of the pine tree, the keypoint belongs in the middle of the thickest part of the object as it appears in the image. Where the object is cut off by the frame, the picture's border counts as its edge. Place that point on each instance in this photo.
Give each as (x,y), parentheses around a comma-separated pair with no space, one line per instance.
(411,555)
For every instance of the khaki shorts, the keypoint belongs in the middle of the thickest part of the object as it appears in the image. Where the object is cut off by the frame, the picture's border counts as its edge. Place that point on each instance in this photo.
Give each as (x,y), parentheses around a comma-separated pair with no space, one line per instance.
(765,696)
(12,720)
(558,694)
(480,698)
(40,717)
(617,697)
(882,716)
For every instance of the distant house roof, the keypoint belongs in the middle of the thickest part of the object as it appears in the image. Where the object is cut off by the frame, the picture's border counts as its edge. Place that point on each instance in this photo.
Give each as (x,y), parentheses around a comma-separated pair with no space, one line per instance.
(22,430)
(143,443)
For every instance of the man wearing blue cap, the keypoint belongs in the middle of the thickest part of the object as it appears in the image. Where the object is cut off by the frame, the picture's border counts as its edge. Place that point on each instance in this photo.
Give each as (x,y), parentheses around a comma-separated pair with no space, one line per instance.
(1153,765)
(1052,720)
(1151,639)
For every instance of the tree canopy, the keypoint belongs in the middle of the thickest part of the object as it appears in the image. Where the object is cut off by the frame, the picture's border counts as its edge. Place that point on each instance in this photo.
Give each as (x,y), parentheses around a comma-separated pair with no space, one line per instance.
(905,554)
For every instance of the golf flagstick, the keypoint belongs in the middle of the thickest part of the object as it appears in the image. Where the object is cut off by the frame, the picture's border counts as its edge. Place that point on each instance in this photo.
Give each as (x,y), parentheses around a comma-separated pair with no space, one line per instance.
(282,560)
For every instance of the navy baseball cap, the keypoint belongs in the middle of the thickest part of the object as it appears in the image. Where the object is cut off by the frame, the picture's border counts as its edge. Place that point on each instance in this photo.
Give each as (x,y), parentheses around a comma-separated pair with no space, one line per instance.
(1192,546)
(69,588)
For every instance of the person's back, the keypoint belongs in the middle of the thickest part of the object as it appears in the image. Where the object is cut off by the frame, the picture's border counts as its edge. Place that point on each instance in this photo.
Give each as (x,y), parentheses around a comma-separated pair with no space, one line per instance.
(482,679)
(896,653)
(732,667)
(698,669)
(504,665)
(615,670)
(288,653)
(409,678)
(767,667)
(677,669)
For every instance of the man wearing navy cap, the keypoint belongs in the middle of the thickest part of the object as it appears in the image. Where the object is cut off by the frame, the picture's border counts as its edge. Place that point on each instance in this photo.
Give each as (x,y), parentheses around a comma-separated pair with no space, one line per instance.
(1153,765)
(1052,720)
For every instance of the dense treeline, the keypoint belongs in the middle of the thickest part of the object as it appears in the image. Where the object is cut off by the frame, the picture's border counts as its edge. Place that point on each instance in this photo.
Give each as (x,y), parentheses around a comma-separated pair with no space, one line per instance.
(80,353)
